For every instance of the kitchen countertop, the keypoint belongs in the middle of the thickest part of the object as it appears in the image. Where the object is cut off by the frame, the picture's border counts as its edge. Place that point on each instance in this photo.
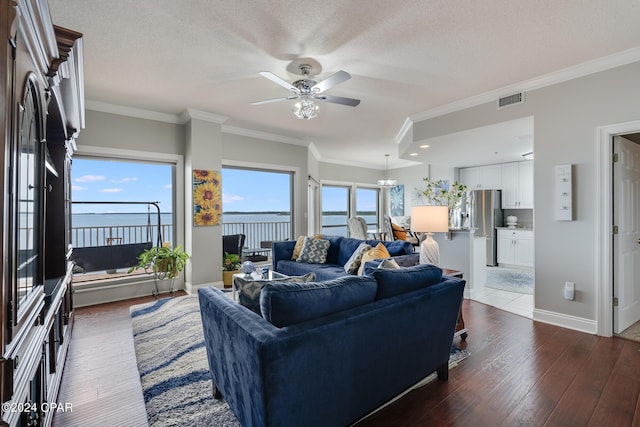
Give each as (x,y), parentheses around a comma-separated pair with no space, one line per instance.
(517,227)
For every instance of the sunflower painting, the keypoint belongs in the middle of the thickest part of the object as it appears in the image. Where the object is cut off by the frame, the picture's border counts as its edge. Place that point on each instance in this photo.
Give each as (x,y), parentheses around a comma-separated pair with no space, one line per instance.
(207,198)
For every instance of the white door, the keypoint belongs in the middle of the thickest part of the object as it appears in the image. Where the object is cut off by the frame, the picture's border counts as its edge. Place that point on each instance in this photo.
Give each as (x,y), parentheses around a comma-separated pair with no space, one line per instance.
(626,244)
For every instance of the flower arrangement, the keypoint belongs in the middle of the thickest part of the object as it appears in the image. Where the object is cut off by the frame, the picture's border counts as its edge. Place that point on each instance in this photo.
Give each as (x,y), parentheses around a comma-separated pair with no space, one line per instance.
(230,262)
(439,193)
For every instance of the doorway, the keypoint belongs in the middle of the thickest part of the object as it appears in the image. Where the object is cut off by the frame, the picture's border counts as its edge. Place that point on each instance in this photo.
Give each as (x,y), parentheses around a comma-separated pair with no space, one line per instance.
(618,278)
(626,239)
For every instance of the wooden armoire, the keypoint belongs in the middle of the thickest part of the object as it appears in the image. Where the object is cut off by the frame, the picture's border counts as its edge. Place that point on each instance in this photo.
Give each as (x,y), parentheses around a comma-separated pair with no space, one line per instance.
(41,113)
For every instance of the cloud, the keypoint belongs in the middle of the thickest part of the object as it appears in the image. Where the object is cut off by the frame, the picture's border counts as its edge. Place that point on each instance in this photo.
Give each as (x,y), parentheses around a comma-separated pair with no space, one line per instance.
(77,188)
(123,180)
(90,178)
(229,198)
(111,190)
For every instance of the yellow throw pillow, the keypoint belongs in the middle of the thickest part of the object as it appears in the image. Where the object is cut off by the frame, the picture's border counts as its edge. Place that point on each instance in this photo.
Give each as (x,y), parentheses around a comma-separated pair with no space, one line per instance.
(398,232)
(380,251)
(299,244)
(297,248)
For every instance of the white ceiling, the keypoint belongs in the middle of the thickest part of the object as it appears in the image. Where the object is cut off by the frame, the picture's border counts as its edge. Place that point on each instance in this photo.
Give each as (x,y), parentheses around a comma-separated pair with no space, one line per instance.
(405,57)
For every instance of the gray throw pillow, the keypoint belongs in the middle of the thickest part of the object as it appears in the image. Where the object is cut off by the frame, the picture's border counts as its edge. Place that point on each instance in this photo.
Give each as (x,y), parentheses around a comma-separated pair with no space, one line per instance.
(353,264)
(314,251)
(249,289)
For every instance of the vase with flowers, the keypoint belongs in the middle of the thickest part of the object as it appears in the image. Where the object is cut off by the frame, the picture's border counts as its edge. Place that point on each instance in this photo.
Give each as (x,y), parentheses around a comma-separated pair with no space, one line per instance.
(230,266)
(440,193)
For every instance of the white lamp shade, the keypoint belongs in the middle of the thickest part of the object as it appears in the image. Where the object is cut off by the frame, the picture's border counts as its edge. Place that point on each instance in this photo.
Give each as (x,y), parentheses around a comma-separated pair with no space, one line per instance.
(430,219)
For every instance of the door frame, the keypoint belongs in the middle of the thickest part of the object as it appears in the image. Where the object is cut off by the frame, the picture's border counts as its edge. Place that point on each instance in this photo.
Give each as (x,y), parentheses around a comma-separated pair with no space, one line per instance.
(604,244)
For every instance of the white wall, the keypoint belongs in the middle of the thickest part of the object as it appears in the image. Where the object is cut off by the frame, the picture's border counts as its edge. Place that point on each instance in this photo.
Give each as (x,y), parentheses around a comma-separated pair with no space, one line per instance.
(566,116)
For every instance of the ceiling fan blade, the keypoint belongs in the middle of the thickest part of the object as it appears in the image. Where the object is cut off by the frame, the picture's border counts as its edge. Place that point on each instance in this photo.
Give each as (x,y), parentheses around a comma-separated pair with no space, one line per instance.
(338,100)
(329,82)
(267,101)
(278,80)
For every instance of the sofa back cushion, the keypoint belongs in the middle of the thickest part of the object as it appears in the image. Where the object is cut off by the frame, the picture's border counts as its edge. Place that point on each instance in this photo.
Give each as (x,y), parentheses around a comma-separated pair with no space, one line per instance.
(285,304)
(393,282)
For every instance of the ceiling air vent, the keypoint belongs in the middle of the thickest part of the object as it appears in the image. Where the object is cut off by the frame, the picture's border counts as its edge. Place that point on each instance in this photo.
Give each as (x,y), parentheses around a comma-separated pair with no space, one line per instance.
(507,101)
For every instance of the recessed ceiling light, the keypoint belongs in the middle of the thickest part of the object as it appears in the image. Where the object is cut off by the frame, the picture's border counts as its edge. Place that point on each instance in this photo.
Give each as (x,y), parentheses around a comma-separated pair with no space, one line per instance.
(425,146)
(413,154)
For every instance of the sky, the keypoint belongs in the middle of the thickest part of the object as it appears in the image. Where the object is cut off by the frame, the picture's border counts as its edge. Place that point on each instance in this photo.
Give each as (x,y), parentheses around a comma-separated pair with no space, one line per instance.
(104,180)
(242,190)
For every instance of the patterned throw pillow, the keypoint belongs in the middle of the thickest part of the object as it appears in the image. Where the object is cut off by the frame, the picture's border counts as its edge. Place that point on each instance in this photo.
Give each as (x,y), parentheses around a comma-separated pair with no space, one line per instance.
(352,265)
(380,251)
(298,247)
(314,251)
(249,289)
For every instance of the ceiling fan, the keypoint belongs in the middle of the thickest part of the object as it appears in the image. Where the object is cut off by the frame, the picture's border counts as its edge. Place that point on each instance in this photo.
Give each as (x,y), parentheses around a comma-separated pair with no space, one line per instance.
(308,90)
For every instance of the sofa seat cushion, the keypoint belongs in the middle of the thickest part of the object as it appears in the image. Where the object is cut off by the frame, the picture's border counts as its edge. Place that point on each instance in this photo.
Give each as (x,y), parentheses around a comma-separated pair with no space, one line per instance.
(249,289)
(284,304)
(392,282)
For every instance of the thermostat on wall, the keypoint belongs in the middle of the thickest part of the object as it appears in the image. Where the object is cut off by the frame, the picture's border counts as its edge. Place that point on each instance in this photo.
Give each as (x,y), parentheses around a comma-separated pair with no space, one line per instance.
(563,196)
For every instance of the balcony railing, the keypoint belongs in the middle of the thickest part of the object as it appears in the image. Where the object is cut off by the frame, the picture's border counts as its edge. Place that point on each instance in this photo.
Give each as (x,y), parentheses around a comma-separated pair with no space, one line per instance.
(255,233)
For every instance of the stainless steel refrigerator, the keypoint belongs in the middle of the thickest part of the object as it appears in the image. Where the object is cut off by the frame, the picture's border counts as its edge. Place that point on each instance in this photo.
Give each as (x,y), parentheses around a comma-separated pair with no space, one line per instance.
(485,214)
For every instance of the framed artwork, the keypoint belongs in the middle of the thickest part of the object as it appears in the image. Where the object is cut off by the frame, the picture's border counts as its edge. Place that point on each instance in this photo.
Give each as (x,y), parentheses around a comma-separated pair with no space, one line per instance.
(207,198)
(396,200)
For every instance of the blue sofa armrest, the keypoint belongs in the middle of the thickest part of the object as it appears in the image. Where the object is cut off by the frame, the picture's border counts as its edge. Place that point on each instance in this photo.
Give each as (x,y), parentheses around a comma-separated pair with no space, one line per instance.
(281,250)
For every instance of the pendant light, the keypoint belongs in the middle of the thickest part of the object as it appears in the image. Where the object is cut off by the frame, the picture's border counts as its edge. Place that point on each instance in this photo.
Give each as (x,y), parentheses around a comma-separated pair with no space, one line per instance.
(386,182)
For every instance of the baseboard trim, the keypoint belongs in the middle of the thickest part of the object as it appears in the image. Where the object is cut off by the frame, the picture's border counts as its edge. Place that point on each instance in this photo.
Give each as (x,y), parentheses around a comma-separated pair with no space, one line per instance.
(91,294)
(566,321)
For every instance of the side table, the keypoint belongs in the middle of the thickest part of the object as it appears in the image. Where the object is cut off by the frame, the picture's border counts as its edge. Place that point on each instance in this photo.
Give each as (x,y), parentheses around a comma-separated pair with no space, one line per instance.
(461,330)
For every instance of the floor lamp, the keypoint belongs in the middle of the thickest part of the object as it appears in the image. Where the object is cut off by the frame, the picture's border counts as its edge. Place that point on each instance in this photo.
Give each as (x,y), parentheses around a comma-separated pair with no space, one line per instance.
(430,219)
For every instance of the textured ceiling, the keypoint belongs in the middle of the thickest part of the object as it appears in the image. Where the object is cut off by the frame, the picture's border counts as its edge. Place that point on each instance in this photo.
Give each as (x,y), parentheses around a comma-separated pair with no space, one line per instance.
(405,57)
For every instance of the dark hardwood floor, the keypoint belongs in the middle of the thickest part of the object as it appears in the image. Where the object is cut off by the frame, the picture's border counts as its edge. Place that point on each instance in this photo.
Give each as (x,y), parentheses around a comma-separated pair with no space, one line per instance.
(520,372)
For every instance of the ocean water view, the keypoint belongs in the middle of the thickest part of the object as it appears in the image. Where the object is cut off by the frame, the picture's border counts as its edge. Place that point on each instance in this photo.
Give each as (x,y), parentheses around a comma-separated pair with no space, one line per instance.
(96,229)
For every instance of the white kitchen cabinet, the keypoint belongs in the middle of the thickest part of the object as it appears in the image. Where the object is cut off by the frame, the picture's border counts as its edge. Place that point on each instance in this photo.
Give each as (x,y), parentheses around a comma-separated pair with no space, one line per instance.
(485,177)
(515,248)
(517,185)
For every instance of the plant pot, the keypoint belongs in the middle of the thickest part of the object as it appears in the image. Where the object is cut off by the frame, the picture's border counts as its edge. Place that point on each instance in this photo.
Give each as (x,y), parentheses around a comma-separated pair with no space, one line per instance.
(227,277)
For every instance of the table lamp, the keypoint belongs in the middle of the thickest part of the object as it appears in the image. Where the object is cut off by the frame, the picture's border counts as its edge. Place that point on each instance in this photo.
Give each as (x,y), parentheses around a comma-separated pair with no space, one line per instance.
(429,219)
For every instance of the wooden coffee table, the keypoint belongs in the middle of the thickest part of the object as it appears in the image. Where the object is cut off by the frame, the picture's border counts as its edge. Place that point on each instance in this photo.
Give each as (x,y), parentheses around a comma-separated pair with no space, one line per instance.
(461,330)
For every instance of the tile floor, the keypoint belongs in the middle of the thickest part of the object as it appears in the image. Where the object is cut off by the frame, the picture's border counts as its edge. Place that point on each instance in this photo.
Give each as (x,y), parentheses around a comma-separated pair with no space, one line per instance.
(521,304)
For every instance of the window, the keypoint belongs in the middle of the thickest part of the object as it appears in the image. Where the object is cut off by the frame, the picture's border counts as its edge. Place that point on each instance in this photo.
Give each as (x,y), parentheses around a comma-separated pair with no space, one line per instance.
(338,206)
(335,209)
(257,203)
(109,202)
(367,205)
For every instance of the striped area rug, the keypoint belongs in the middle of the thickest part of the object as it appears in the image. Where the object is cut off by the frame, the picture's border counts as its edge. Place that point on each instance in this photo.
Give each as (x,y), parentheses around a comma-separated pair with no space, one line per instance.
(173,367)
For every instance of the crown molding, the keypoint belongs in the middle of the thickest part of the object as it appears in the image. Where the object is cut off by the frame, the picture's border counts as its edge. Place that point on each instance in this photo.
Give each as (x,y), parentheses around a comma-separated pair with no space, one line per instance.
(263,135)
(190,113)
(314,151)
(105,107)
(590,67)
(406,127)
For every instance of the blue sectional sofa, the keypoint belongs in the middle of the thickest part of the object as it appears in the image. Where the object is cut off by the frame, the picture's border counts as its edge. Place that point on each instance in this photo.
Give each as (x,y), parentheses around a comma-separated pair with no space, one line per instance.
(340,249)
(328,353)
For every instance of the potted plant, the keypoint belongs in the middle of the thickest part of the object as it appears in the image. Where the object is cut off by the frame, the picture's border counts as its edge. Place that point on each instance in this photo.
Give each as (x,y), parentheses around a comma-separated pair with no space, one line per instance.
(230,266)
(163,261)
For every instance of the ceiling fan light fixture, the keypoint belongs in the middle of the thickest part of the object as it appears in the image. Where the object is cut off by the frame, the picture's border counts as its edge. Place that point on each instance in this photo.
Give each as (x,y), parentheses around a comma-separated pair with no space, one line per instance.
(305,109)
(386,181)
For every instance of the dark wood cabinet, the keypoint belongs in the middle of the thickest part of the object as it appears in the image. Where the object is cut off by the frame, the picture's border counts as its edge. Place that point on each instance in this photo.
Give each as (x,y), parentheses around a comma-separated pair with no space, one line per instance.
(42,111)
